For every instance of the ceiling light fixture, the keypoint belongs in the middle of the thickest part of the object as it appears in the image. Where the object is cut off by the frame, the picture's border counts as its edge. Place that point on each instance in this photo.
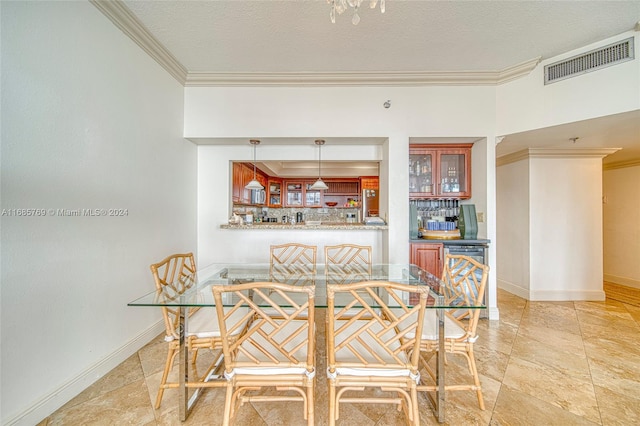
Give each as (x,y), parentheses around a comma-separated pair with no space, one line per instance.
(341,5)
(254,184)
(319,184)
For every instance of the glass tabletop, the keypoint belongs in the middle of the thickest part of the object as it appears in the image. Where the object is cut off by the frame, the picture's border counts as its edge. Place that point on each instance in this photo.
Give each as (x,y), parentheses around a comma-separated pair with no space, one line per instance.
(195,290)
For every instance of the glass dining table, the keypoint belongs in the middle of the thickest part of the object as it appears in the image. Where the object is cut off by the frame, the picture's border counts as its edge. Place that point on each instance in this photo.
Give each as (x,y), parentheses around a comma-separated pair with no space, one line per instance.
(195,291)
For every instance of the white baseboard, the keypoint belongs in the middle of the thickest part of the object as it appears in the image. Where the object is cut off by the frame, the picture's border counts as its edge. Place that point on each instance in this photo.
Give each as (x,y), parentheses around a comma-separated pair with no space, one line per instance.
(56,399)
(513,289)
(629,282)
(567,295)
(494,313)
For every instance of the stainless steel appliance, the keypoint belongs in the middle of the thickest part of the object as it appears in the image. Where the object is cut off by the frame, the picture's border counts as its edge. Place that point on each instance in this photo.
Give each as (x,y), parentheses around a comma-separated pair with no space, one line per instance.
(258,196)
(370,202)
(477,252)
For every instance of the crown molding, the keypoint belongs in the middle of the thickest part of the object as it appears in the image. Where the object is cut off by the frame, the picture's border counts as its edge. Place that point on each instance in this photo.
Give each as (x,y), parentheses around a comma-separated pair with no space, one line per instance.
(621,164)
(554,153)
(372,78)
(517,71)
(124,19)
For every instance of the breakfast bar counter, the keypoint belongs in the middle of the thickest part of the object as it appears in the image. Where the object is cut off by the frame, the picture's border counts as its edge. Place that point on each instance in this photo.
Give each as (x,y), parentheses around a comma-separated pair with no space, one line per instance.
(302,226)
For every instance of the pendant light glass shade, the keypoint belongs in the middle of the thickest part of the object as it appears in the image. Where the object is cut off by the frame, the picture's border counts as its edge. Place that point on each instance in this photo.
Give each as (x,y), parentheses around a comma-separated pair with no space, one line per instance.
(254,184)
(319,184)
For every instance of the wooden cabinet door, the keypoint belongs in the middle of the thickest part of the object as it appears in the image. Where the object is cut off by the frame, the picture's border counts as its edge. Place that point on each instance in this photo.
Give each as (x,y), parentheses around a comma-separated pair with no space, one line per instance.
(454,173)
(274,196)
(236,190)
(247,176)
(369,182)
(440,171)
(293,193)
(428,257)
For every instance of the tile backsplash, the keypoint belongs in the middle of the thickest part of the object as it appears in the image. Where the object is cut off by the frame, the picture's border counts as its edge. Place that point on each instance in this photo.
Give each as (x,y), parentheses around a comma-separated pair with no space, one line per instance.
(328,214)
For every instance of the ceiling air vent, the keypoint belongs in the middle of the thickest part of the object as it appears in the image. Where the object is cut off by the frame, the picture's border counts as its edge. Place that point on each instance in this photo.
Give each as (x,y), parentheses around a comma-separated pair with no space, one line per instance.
(596,59)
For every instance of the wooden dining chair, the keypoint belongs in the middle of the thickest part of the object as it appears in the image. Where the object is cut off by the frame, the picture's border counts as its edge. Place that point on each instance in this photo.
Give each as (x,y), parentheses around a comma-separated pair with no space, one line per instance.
(293,263)
(173,276)
(267,351)
(347,263)
(371,349)
(464,282)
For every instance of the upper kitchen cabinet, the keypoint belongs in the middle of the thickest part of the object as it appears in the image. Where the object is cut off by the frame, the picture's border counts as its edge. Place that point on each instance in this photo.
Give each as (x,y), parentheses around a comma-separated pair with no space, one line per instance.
(299,194)
(344,192)
(440,171)
(369,182)
(237,179)
(275,192)
(243,174)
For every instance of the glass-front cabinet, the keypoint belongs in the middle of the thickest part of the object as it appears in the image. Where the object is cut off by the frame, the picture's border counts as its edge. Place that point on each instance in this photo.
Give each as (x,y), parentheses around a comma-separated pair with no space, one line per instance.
(275,192)
(313,197)
(300,194)
(294,194)
(440,171)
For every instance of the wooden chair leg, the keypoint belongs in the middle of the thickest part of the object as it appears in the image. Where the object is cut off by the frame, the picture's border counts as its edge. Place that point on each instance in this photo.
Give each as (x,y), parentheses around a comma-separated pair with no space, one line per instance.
(476,378)
(332,404)
(228,402)
(414,407)
(309,402)
(171,354)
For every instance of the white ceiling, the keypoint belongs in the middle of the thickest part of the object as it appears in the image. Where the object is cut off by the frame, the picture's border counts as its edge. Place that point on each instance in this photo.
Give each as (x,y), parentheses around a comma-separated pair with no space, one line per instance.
(288,36)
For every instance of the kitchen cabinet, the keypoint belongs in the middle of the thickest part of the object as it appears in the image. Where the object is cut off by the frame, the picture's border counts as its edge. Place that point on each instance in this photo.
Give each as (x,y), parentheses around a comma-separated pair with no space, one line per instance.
(247,176)
(274,197)
(428,256)
(440,171)
(300,194)
(345,192)
(237,187)
(294,193)
(242,174)
(369,182)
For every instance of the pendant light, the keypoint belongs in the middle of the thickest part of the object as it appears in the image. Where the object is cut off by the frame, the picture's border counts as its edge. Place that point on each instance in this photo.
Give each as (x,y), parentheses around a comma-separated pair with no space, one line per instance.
(319,184)
(254,184)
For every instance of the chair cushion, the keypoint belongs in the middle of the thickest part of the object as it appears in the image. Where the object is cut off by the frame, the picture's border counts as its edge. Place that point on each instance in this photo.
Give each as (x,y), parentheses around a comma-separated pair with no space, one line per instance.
(269,371)
(382,372)
(430,327)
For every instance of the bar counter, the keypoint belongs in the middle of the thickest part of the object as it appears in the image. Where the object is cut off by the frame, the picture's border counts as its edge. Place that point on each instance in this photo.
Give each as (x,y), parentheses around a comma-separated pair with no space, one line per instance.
(337,226)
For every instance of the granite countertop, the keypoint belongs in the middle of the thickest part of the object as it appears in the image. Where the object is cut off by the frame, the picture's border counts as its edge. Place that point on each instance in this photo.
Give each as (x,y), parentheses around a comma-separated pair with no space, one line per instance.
(459,242)
(302,226)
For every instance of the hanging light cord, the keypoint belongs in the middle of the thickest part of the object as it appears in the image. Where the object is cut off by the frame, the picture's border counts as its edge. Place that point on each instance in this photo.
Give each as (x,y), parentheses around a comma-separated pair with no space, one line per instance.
(254,161)
(319,161)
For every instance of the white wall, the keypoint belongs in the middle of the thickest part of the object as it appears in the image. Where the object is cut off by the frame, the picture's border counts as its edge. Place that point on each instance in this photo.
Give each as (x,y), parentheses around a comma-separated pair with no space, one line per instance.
(513,251)
(526,103)
(326,112)
(550,227)
(88,121)
(621,212)
(566,228)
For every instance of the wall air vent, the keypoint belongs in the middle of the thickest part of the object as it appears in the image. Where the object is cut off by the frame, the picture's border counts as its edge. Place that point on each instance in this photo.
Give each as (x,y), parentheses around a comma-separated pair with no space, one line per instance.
(612,54)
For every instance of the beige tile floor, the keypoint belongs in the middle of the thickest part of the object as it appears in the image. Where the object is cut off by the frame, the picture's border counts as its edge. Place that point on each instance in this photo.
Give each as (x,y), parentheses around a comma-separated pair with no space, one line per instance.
(542,363)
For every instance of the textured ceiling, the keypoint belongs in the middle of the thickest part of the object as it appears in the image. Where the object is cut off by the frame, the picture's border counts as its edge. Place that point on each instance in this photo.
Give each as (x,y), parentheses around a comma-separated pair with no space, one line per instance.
(288,36)
(297,35)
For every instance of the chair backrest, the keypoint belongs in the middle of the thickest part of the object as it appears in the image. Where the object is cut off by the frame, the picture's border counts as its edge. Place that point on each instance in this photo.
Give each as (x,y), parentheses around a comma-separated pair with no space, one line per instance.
(373,325)
(293,263)
(173,276)
(347,263)
(254,338)
(464,280)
